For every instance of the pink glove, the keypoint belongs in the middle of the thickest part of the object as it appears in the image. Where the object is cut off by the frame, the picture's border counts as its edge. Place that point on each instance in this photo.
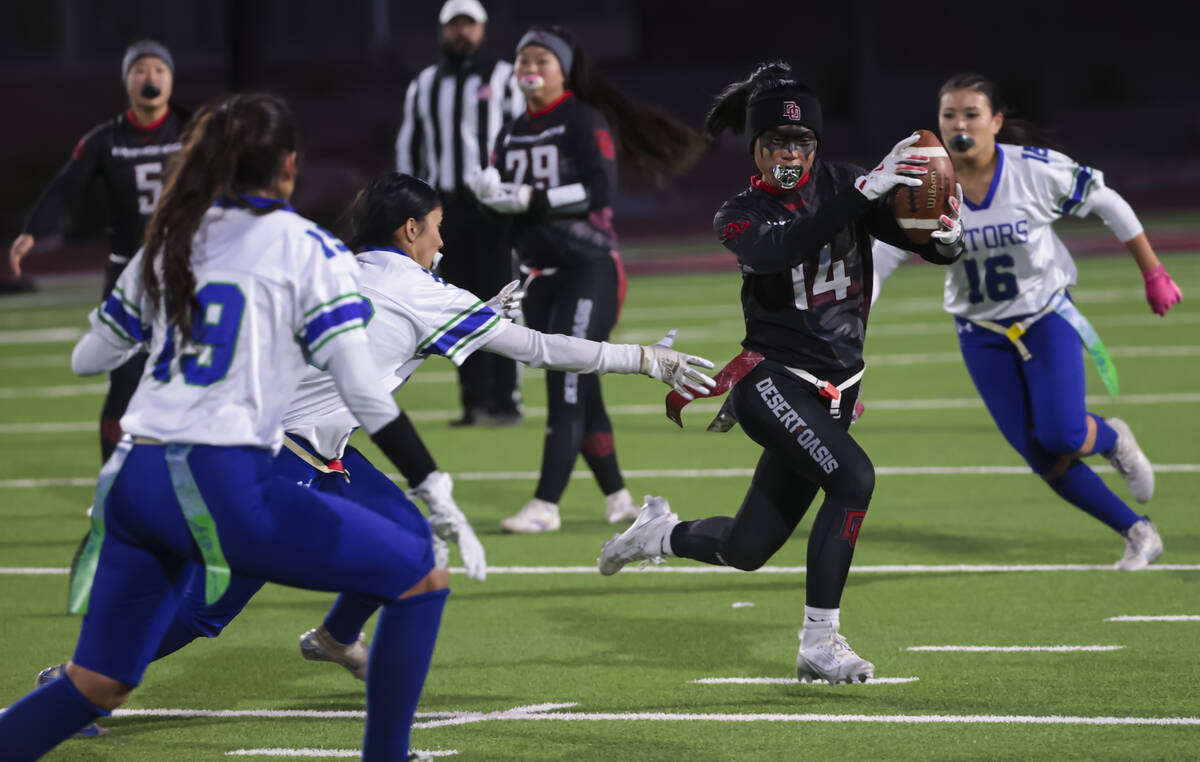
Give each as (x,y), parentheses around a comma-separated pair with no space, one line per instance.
(1161,291)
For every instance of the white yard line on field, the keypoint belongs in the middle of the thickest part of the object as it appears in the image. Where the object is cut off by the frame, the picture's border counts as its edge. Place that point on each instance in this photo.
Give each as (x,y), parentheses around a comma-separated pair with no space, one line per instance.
(1015,649)
(518,712)
(699,569)
(321,753)
(545,712)
(44,392)
(656,409)
(794,681)
(1163,618)
(41,335)
(664,473)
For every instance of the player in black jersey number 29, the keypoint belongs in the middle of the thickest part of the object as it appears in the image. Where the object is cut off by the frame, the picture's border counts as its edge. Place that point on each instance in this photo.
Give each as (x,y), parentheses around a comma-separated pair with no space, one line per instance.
(555,172)
(802,235)
(128,153)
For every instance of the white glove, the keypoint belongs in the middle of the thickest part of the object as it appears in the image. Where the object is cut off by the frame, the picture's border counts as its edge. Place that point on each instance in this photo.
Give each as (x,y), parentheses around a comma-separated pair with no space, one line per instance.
(450,525)
(507,302)
(899,167)
(483,182)
(676,369)
(509,198)
(950,231)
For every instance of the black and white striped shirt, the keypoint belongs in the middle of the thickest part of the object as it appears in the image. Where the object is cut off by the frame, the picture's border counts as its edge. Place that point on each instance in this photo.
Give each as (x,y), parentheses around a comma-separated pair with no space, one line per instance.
(472,98)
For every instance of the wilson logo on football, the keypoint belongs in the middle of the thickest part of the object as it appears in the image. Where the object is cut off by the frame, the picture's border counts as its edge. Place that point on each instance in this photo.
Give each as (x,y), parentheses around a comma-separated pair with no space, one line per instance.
(734,229)
(791,110)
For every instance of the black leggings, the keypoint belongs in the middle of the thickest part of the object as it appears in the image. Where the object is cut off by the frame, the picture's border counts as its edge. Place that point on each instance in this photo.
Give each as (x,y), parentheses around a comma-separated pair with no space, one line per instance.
(577,301)
(804,449)
(122,382)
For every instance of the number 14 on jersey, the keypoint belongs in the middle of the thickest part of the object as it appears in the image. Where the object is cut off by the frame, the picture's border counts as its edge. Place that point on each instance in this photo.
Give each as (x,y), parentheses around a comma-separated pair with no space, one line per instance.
(830,276)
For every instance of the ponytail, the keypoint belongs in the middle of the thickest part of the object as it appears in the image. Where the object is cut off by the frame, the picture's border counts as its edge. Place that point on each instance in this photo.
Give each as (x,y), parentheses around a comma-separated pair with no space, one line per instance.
(729,108)
(229,147)
(1014,130)
(650,138)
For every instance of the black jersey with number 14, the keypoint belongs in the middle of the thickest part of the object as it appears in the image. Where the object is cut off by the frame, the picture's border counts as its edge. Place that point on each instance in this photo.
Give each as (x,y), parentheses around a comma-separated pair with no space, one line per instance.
(805,257)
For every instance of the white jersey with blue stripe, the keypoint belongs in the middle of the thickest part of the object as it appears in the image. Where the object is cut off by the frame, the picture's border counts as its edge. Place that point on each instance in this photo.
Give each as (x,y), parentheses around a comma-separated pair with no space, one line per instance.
(1014,261)
(274,292)
(413,315)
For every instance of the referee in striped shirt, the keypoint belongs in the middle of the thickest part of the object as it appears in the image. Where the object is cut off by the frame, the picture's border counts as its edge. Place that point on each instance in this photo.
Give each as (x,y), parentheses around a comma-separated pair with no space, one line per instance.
(453,111)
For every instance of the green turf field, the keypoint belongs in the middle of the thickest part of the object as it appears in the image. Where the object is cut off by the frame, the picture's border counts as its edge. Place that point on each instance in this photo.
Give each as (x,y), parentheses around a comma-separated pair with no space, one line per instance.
(564,664)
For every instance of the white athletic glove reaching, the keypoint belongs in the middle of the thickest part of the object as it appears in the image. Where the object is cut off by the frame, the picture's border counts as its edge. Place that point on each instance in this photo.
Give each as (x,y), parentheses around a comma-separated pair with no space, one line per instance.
(899,167)
(676,369)
(950,232)
(483,182)
(450,525)
(507,302)
(509,198)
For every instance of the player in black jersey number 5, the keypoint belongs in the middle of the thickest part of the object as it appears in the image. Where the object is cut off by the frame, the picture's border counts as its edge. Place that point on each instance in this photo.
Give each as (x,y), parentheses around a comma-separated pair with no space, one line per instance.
(128,153)
(802,235)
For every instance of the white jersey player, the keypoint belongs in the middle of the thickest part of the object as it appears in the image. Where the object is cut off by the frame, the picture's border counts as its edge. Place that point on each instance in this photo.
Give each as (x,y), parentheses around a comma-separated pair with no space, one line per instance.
(179,395)
(1018,329)
(232,302)
(1015,261)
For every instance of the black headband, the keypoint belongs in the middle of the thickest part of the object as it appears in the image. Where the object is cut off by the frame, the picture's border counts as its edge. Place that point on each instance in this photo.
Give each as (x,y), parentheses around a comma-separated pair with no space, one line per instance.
(779,108)
(552,42)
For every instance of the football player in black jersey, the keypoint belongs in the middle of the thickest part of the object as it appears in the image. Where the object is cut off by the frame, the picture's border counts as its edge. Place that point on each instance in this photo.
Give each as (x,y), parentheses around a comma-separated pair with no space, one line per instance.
(802,235)
(128,153)
(555,169)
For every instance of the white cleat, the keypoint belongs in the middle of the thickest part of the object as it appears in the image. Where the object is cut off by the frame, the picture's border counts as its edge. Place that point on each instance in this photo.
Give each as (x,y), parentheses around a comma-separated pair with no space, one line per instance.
(1130,462)
(319,645)
(825,655)
(1142,546)
(619,507)
(536,516)
(647,539)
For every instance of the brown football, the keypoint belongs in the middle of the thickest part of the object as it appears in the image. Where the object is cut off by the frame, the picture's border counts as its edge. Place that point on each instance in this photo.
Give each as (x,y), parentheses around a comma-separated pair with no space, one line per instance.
(918,207)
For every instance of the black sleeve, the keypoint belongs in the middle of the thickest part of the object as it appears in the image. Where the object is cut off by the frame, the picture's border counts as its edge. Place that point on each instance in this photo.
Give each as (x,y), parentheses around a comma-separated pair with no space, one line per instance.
(881,223)
(763,247)
(66,190)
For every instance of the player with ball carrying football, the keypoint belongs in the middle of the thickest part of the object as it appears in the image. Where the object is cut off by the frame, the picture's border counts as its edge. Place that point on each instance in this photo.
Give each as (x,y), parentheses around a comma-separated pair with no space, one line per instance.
(1018,328)
(802,235)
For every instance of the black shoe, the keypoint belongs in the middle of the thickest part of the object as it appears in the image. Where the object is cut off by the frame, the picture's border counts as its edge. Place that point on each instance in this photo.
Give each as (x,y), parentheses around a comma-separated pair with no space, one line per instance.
(507,418)
(469,418)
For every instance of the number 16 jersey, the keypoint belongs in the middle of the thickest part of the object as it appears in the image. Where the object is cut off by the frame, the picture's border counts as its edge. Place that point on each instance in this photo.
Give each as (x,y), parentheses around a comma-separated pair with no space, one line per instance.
(1014,261)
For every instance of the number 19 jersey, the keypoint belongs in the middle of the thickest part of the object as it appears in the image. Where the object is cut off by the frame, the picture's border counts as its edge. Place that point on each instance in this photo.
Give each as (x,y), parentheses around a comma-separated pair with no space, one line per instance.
(273,293)
(1014,261)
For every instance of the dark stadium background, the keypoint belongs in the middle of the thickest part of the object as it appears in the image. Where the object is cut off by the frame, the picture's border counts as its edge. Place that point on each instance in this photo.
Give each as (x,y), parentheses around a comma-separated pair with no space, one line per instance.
(1117,87)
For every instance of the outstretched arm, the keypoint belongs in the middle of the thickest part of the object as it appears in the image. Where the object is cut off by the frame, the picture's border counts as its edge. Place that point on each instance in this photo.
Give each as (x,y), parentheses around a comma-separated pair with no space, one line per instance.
(1118,215)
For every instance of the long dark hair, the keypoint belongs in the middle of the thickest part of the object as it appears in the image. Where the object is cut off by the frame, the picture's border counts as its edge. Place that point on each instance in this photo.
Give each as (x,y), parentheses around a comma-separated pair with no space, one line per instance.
(729,108)
(648,137)
(1014,130)
(230,146)
(386,203)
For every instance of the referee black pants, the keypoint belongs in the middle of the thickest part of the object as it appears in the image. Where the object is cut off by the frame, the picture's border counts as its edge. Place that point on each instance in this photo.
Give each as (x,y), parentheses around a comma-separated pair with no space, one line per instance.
(804,449)
(478,257)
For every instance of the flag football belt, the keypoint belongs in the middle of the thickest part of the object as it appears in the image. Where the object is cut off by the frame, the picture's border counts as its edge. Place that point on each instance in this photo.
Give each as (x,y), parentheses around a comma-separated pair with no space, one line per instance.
(828,390)
(1066,309)
(734,371)
(195,512)
(324,466)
